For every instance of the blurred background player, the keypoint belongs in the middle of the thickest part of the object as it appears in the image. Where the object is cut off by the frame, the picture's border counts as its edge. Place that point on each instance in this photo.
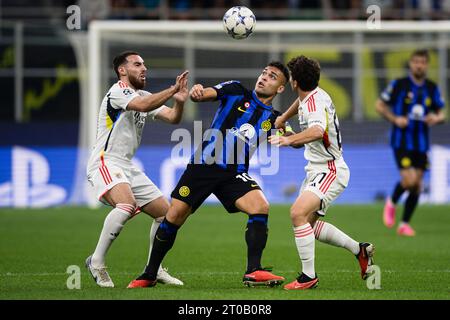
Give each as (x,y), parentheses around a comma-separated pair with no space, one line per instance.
(327,174)
(116,181)
(243,115)
(412,104)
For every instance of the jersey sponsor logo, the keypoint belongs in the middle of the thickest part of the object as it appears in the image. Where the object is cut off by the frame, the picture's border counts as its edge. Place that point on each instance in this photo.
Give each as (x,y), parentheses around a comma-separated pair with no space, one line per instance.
(428,102)
(266,125)
(184,191)
(417,112)
(139,119)
(245,132)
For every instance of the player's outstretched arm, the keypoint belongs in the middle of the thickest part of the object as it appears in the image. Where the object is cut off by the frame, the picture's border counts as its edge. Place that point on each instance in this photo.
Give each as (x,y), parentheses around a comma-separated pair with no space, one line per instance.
(200,94)
(289,113)
(309,135)
(151,102)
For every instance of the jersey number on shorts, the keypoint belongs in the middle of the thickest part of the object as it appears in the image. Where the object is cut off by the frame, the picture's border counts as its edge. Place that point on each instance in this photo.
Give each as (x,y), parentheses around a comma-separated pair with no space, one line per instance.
(245,177)
(318,179)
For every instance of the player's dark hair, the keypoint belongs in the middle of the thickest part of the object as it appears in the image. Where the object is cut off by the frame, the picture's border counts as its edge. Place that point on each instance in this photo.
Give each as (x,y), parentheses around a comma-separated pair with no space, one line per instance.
(421,53)
(121,59)
(280,67)
(305,71)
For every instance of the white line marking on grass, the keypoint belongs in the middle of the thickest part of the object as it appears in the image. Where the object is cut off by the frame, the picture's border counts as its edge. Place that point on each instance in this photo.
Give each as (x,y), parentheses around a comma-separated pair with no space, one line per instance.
(203,273)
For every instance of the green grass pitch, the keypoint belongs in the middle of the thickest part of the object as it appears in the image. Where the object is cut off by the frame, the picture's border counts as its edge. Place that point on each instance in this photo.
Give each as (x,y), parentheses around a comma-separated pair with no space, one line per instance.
(209,255)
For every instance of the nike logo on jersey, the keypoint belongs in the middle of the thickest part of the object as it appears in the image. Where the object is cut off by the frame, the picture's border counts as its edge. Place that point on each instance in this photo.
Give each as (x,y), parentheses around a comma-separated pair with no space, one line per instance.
(253,185)
(242,110)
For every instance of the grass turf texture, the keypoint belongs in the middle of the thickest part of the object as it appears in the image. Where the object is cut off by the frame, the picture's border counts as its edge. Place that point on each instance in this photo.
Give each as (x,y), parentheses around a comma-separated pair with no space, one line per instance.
(209,255)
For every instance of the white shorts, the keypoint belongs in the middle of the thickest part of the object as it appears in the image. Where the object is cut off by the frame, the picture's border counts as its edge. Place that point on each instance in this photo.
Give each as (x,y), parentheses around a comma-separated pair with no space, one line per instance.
(110,173)
(327,181)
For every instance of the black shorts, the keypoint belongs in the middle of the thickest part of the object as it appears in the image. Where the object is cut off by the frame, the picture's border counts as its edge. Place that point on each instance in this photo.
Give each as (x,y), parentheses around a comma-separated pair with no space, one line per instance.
(199,181)
(411,159)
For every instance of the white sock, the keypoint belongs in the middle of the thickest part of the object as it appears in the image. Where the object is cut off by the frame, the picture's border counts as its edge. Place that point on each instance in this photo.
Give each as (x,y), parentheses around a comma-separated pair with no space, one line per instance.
(304,239)
(327,233)
(112,226)
(153,229)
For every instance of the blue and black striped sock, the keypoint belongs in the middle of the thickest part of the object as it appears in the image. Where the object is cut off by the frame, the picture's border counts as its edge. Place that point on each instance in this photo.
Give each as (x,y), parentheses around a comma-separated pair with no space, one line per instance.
(256,238)
(164,240)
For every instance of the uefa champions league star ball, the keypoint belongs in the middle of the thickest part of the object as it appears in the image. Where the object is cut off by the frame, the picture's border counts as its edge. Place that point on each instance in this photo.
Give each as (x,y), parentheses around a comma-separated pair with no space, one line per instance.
(239,22)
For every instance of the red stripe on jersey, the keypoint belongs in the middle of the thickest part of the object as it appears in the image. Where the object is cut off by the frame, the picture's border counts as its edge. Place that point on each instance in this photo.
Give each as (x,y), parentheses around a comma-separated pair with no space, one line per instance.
(123,84)
(311,103)
(332,166)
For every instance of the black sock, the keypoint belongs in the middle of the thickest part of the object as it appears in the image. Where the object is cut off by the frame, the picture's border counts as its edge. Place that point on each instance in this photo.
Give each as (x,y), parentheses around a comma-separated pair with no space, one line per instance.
(256,238)
(410,205)
(398,191)
(163,242)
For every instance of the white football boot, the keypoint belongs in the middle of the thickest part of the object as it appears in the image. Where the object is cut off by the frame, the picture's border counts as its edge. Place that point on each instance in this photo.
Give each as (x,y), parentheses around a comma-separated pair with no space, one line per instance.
(164,277)
(100,275)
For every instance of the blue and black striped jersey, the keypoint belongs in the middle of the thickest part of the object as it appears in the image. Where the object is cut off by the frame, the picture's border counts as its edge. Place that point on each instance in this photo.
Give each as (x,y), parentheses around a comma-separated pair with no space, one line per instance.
(408,99)
(241,123)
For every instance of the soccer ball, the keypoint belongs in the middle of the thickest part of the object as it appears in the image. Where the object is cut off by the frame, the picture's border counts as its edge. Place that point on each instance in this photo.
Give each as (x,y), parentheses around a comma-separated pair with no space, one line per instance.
(239,22)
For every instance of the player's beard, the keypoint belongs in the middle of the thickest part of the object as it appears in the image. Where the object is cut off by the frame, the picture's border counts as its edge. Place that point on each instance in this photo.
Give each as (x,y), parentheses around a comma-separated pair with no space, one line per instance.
(419,74)
(137,82)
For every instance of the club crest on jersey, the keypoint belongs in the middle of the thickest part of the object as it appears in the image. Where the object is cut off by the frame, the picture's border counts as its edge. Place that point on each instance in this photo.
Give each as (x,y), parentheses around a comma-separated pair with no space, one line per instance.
(405,162)
(184,191)
(266,125)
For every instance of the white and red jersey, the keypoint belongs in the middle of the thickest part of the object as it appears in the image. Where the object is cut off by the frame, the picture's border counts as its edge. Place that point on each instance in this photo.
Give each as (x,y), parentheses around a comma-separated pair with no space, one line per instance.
(317,109)
(119,130)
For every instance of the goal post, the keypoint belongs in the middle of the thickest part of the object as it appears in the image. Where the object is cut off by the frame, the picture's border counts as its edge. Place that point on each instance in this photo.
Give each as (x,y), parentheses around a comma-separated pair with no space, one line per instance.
(273,37)
(357,62)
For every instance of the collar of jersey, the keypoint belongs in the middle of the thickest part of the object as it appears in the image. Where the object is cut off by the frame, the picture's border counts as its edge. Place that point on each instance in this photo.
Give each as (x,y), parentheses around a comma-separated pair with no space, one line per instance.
(265,106)
(414,83)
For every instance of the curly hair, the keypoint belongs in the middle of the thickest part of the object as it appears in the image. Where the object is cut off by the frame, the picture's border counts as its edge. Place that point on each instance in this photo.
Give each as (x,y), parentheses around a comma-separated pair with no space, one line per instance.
(305,71)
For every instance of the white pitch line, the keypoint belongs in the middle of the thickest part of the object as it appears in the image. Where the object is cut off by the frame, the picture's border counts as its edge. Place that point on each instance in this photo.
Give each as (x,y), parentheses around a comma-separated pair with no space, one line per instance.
(47,274)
